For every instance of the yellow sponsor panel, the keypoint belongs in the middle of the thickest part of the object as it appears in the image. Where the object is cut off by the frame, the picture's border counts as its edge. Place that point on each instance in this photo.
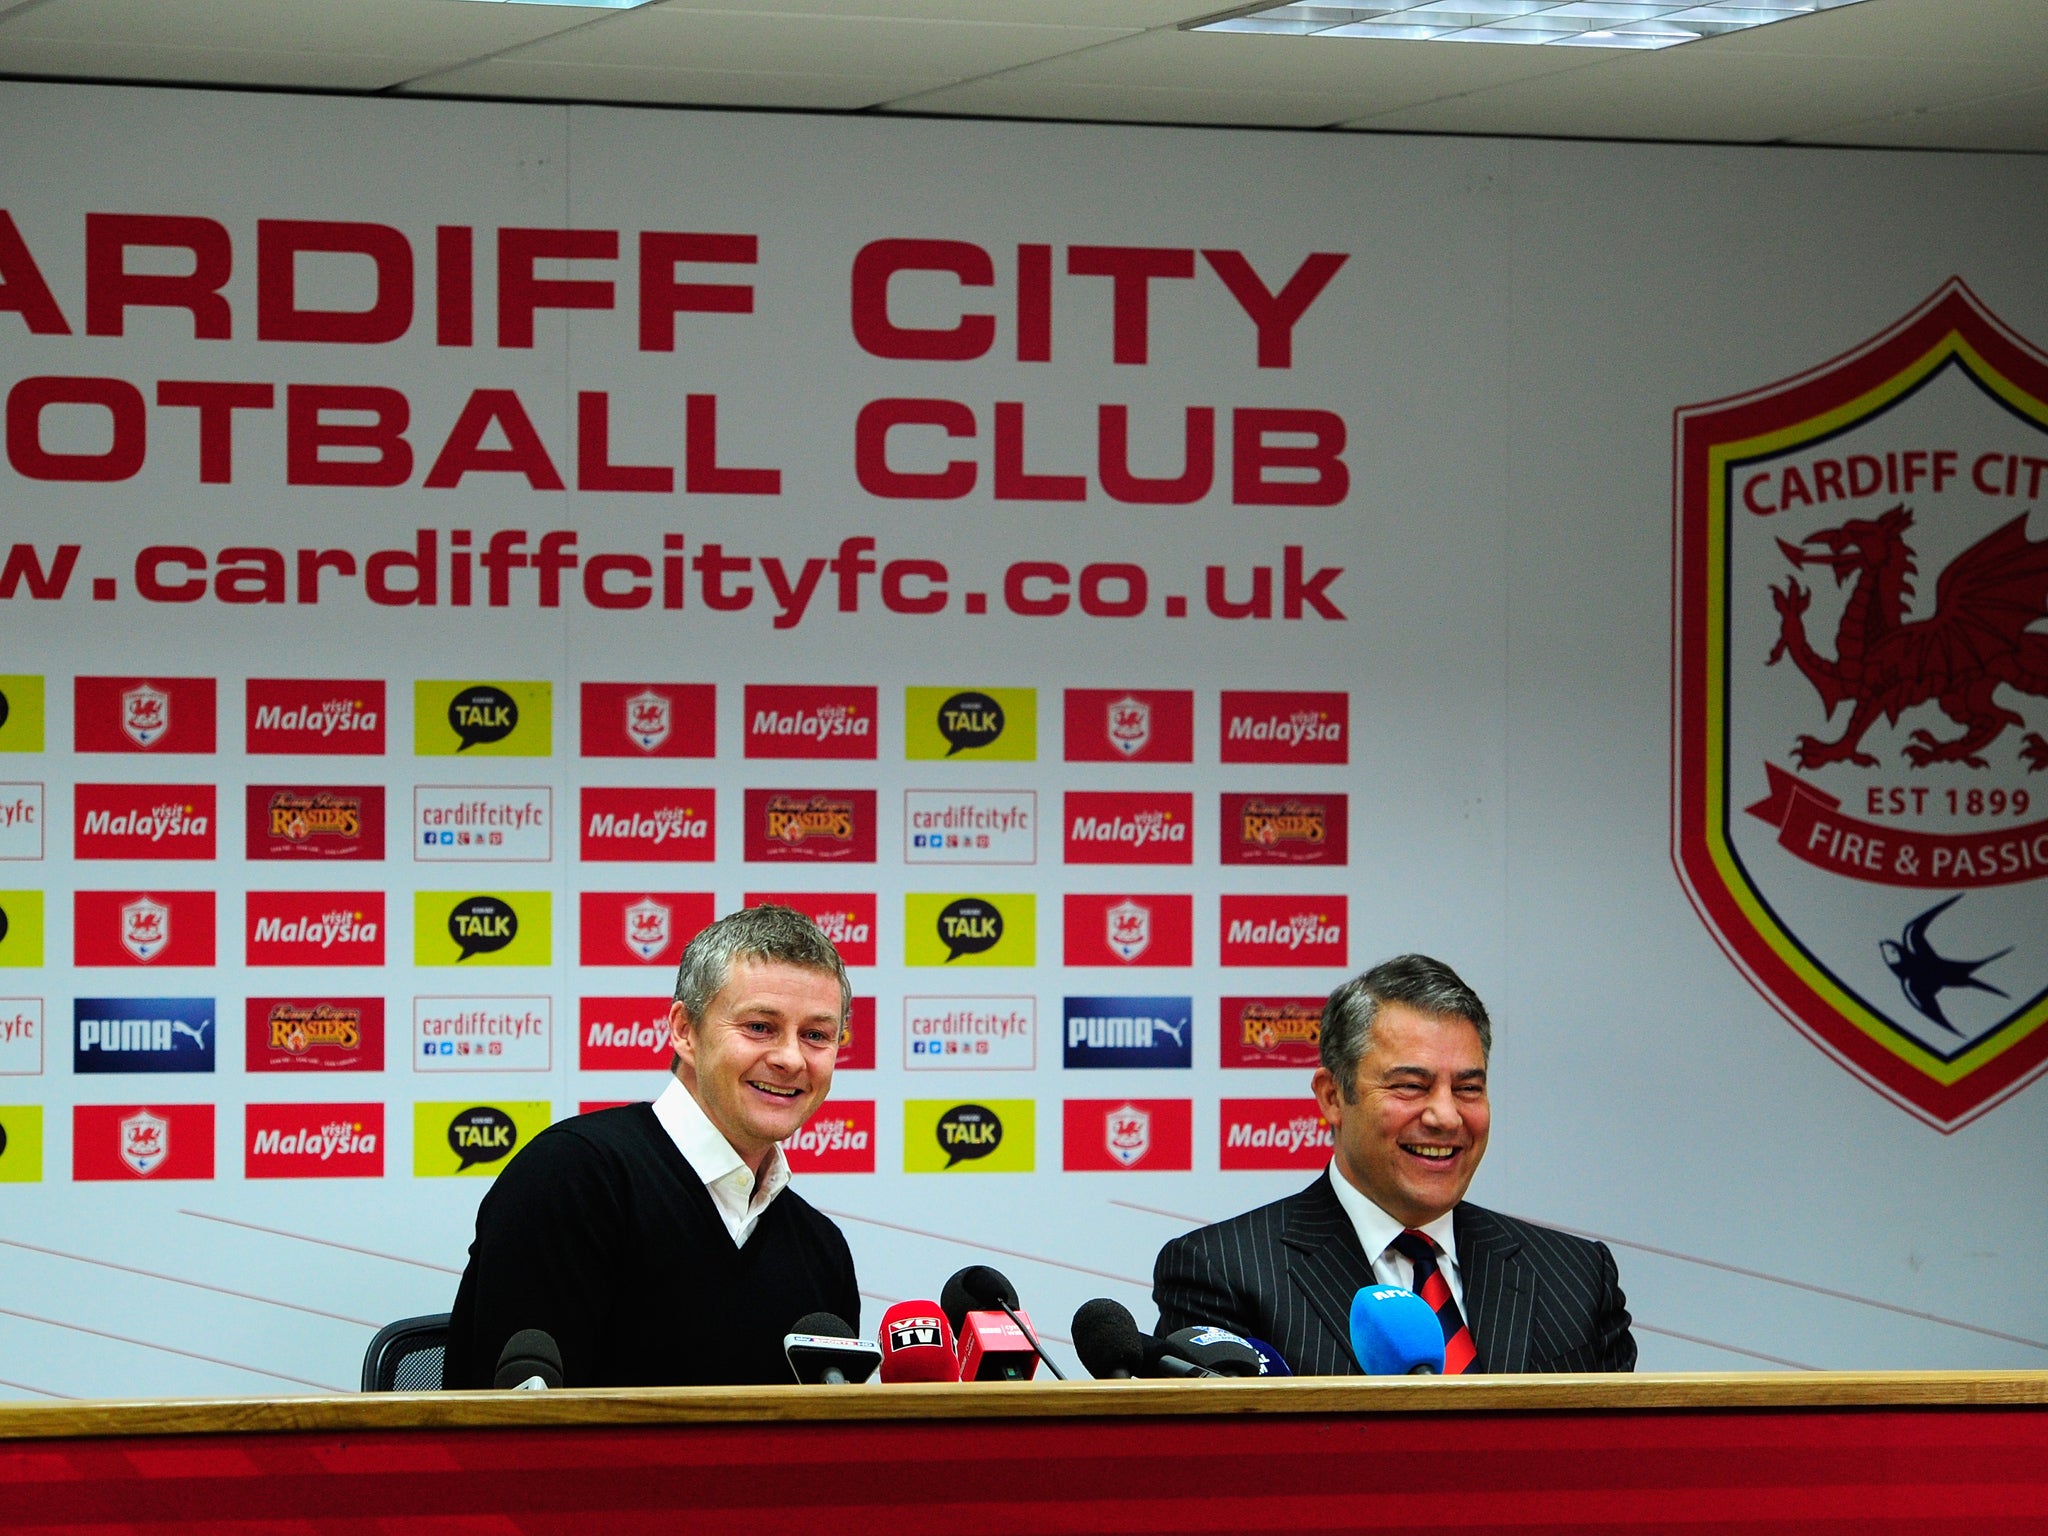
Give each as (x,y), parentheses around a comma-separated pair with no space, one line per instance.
(997,724)
(969,1135)
(21,1143)
(475,928)
(468,717)
(960,928)
(473,1138)
(21,712)
(21,928)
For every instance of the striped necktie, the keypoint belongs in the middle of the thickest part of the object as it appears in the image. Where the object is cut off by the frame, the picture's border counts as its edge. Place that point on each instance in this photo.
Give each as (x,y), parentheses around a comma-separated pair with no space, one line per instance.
(1432,1287)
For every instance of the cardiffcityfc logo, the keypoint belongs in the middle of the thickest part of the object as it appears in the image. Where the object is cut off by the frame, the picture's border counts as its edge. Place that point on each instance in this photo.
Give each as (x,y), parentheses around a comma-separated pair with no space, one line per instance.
(145,714)
(145,928)
(647,928)
(1129,929)
(648,720)
(1130,725)
(1127,1134)
(145,1142)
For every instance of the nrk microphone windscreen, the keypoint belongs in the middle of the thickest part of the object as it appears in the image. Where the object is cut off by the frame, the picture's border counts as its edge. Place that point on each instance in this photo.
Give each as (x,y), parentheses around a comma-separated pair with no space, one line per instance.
(1394,1333)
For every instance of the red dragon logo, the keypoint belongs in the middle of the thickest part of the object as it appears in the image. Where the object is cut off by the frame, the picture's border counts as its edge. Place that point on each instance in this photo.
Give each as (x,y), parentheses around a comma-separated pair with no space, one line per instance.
(1977,640)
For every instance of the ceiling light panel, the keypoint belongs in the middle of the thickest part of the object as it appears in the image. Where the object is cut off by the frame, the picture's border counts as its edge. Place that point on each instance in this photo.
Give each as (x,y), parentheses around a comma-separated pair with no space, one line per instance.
(1567,23)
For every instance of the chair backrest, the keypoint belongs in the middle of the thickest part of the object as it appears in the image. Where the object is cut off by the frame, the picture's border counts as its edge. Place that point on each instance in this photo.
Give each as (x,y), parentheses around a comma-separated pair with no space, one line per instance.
(406,1355)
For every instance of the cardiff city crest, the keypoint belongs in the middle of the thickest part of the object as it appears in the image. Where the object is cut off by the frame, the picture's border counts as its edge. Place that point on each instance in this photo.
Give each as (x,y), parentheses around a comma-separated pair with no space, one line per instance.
(647,928)
(647,719)
(1130,725)
(1861,785)
(145,928)
(145,1142)
(1127,1134)
(145,714)
(1129,929)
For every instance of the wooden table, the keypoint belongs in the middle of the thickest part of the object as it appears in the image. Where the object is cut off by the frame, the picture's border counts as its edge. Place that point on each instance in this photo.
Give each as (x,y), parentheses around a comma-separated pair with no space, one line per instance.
(1851,1452)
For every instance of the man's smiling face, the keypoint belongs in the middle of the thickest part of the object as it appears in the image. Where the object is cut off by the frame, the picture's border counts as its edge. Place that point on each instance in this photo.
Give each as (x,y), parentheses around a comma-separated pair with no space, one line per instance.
(1414,1129)
(760,1060)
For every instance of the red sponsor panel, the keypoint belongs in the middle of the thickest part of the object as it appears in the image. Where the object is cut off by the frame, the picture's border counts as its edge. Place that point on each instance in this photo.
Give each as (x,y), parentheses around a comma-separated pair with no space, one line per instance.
(143,714)
(316,927)
(640,927)
(313,1034)
(1272,1133)
(650,720)
(315,717)
(810,824)
(313,1141)
(1130,725)
(622,1034)
(1286,727)
(839,1138)
(144,821)
(649,826)
(1128,1135)
(1272,1032)
(848,920)
(592,1106)
(141,1141)
(1123,930)
(810,721)
(857,1039)
(315,821)
(1285,930)
(154,927)
(1286,829)
(1130,827)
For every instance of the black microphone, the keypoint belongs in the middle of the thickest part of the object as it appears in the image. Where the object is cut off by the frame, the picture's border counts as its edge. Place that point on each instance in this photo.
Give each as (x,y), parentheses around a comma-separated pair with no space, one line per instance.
(1107,1339)
(977,1288)
(529,1362)
(821,1348)
(1224,1352)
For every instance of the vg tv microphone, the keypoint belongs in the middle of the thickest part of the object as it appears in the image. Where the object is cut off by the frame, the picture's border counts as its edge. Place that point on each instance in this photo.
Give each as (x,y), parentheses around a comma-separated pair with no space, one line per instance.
(820,1349)
(531,1361)
(996,1341)
(918,1343)
(1395,1333)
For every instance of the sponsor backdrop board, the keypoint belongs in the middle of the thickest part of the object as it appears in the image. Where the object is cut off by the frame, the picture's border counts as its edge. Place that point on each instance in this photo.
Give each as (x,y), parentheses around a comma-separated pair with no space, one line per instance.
(436,581)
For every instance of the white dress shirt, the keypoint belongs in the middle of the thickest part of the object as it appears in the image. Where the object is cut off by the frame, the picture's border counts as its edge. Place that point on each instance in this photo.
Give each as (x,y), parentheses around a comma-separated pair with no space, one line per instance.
(1376,1230)
(726,1176)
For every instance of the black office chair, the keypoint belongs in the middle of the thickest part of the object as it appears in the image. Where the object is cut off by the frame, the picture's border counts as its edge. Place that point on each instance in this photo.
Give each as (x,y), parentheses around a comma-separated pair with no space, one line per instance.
(406,1355)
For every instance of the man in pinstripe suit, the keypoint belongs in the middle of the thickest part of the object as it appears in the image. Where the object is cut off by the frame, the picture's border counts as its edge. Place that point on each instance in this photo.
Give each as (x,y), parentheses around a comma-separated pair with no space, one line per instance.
(1403,1087)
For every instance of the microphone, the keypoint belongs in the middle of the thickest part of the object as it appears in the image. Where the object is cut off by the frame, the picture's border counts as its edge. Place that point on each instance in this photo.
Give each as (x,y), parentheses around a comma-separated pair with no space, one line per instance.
(531,1361)
(917,1343)
(820,1349)
(1220,1350)
(1395,1333)
(978,1289)
(1270,1361)
(1107,1339)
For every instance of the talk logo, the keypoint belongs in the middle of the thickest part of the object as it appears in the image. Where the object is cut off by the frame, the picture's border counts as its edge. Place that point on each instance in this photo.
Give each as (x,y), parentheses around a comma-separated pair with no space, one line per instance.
(1860,808)
(982,1136)
(472,928)
(955,929)
(21,928)
(469,1139)
(21,712)
(21,1143)
(994,724)
(482,719)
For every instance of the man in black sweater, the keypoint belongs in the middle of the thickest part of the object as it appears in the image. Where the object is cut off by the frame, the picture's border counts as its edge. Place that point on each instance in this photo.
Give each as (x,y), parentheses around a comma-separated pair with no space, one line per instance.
(658,1244)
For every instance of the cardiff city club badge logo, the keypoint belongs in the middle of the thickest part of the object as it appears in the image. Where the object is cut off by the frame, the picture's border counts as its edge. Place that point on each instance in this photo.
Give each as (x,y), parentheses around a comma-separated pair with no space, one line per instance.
(1129,929)
(145,1142)
(1127,1134)
(1861,786)
(145,714)
(647,928)
(1130,725)
(145,927)
(647,720)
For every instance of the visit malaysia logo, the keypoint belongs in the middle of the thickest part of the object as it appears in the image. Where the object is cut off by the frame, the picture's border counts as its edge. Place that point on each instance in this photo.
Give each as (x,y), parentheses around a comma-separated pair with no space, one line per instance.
(1860,803)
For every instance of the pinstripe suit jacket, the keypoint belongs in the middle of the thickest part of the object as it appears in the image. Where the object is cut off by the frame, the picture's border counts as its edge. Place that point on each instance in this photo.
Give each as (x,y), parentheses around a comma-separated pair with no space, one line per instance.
(1535,1299)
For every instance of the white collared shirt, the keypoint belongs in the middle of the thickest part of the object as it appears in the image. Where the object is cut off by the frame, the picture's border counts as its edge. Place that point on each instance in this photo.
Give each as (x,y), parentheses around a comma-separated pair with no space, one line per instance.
(727,1178)
(1377,1230)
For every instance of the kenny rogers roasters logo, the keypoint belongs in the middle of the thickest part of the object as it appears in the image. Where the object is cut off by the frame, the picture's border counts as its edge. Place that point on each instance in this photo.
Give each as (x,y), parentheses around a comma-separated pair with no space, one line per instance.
(324,822)
(144,821)
(1862,696)
(810,722)
(805,824)
(297,717)
(1272,1031)
(340,1034)
(1285,829)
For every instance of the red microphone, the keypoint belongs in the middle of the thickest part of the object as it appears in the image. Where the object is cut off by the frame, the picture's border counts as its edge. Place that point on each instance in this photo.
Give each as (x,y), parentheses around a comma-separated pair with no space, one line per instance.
(994,1348)
(917,1343)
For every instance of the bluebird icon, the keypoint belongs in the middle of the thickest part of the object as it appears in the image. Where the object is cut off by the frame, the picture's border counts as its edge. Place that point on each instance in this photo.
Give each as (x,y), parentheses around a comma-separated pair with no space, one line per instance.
(1924,974)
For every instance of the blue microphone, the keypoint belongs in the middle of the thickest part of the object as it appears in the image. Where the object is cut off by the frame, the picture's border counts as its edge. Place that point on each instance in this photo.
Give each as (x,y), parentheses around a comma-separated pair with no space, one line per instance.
(1394,1333)
(1270,1363)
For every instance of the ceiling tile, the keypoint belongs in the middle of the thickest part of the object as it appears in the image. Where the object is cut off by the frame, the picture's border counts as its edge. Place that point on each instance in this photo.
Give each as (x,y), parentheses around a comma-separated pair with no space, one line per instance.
(665,86)
(1692,92)
(1010,97)
(2015,121)
(1902,29)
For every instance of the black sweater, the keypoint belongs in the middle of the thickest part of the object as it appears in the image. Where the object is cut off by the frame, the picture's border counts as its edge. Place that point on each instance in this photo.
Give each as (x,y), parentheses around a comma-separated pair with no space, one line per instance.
(600,1233)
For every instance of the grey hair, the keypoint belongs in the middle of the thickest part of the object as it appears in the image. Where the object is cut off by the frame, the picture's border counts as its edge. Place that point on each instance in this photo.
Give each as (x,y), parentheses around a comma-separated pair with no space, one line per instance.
(1426,985)
(769,932)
